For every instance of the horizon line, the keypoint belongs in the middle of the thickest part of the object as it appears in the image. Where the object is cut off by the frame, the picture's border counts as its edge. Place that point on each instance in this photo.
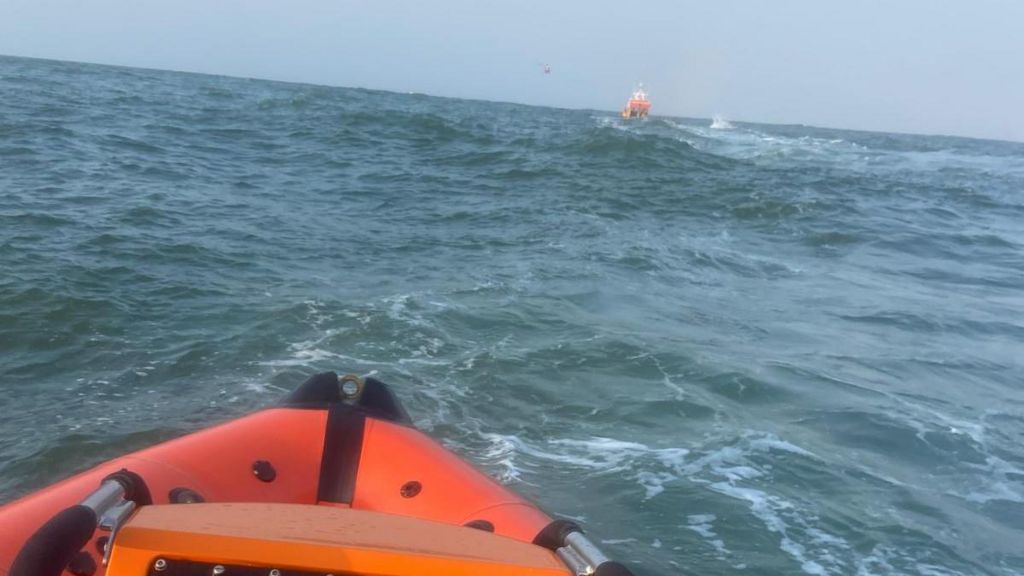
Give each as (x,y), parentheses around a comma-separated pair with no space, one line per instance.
(527,104)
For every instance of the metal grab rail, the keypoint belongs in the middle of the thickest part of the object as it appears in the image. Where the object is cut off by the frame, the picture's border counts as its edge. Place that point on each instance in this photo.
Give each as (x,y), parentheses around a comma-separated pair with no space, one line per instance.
(566,539)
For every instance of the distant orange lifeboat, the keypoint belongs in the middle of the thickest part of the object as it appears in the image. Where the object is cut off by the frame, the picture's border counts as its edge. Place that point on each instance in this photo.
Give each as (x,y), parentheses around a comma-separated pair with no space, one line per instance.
(334,480)
(638,106)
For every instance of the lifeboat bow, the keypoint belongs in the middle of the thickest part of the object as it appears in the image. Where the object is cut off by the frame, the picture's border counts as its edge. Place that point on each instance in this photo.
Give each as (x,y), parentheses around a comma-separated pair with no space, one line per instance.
(333,480)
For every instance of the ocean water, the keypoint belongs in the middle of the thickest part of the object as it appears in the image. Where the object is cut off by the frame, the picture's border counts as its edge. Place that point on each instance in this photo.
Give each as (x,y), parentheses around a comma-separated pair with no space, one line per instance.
(747,349)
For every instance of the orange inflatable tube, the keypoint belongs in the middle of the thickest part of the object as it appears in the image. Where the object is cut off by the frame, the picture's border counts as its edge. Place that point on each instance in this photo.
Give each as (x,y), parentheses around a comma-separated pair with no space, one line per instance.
(333,442)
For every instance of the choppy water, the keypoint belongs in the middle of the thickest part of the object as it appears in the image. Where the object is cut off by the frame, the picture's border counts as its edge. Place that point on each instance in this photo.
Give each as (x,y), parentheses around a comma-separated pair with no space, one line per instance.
(757,350)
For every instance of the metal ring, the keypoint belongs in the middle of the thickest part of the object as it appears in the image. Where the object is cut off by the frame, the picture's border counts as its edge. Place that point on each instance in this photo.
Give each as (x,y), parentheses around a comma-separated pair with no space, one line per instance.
(350,386)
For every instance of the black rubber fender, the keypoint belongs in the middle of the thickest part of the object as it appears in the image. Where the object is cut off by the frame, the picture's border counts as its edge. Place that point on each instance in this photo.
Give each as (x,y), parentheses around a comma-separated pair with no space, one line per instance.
(612,568)
(55,543)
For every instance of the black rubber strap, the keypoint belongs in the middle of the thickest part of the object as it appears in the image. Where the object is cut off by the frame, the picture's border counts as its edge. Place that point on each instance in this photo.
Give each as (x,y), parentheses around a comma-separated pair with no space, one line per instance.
(343,447)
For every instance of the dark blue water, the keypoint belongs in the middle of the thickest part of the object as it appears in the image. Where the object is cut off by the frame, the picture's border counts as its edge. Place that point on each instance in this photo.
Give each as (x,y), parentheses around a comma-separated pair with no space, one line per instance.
(748,350)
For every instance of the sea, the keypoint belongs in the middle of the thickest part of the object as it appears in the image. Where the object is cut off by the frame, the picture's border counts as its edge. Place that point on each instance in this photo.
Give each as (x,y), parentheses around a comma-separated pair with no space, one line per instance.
(723,347)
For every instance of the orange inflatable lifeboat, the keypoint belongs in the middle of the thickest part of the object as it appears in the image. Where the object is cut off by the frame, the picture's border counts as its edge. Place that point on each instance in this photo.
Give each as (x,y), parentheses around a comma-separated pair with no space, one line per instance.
(334,480)
(638,105)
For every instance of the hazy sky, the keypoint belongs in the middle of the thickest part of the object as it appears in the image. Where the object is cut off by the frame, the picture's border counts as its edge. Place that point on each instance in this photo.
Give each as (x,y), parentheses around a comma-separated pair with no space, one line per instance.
(931,66)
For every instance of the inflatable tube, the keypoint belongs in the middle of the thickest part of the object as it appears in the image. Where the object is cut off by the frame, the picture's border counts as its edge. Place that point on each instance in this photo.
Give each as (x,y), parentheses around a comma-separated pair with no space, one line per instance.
(333,445)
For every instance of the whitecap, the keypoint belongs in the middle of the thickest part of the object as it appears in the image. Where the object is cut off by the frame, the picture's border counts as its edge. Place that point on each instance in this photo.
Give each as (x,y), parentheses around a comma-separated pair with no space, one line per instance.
(720,123)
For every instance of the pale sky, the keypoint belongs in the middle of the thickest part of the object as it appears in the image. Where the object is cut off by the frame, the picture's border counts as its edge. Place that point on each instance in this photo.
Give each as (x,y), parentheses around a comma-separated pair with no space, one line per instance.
(926,66)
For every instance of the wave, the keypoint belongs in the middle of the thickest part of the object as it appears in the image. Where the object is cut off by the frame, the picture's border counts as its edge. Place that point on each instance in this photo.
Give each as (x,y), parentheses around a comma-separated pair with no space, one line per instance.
(614,146)
(731,470)
(748,344)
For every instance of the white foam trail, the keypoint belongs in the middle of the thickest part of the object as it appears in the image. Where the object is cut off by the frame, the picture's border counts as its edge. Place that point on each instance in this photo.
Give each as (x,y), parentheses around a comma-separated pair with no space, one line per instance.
(615,541)
(263,388)
(978,483)
(501,453)
(728,470)
(703,524)
(667,381)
